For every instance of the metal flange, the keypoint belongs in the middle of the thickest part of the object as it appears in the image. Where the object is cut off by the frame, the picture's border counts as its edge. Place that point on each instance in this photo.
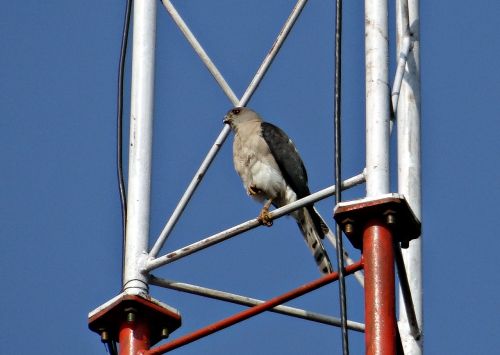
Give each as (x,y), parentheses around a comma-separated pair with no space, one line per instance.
(106,320)
(352,216)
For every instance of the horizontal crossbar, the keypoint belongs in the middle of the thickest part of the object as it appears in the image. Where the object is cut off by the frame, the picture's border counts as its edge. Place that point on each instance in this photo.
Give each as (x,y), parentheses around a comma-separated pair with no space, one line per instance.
(248,301)
(245,226)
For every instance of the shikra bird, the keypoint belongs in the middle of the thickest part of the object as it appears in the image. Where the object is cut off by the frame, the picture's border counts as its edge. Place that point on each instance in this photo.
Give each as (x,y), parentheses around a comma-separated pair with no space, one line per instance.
(273,173)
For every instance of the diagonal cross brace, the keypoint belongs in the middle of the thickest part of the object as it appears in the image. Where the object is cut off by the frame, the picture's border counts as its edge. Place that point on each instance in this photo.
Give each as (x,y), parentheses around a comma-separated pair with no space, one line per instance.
(253,311)
(259,75)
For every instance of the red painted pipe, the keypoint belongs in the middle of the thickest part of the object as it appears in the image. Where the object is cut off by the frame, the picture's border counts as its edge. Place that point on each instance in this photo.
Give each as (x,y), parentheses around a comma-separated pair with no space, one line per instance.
(222,324)
(380,316)
(134,335)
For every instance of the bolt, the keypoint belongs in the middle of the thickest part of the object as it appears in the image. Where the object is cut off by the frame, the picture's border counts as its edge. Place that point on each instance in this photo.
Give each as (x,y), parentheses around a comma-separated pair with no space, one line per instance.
(130,317)
(104,336)
(391,218)
(164,333)
(348,228)
(130,314)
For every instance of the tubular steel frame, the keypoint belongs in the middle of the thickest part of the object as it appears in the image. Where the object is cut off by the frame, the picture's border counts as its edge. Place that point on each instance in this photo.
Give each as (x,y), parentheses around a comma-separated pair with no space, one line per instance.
(253,311)
(409,171)
(379,243)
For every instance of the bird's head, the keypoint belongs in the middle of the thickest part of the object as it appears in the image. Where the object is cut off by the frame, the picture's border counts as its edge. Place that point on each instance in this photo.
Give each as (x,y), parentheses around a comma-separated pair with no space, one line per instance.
(239,115)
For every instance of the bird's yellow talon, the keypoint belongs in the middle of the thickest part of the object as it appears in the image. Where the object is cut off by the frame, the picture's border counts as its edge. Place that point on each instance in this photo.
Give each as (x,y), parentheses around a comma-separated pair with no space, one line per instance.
(264,217)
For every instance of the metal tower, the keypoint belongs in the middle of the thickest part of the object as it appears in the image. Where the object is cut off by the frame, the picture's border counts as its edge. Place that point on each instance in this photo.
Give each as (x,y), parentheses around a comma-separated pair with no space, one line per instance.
(378,224)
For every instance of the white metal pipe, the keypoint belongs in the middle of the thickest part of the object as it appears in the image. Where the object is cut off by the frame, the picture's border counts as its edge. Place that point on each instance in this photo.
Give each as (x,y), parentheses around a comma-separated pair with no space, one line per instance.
(259,75)
(402,21)
(248,301)
(141,135)
(285,30)
(245,226)
(377,97)
(409,166)
(186,197)
(400,71)
(191,38)
(396,86)
(200,51)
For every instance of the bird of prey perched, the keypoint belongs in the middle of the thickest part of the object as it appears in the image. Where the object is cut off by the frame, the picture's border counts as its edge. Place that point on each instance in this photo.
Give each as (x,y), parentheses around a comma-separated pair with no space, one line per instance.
(273,173)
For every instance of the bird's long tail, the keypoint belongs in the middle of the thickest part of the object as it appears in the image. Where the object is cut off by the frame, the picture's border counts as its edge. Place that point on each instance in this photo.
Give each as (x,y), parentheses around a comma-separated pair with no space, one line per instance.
(313,234)
(327,232)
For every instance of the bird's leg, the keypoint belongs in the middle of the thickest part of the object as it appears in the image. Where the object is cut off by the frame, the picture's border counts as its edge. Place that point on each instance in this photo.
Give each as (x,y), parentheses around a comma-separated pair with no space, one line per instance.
(264,214)
(252,190)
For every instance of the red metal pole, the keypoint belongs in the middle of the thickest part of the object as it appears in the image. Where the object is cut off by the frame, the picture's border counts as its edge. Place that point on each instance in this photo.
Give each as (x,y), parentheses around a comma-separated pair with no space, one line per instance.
(134,335)
(222,324)
(380,316)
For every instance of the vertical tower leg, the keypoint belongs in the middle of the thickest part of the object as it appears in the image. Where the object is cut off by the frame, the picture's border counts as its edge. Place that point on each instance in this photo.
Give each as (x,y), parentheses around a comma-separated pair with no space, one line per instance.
(376,225)
(141,140)
(380,316)
(409,167)
(135,329)
(134,335)
(133,318)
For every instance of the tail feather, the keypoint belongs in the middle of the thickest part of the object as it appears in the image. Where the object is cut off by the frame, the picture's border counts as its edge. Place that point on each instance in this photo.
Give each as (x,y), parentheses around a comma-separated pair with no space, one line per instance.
(319,223)
(331,237)
(313,233)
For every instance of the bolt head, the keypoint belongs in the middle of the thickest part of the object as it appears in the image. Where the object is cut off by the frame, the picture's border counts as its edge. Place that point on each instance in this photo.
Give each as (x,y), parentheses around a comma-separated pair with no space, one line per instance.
(164,333)
(391,219)
(104,336)
(130,317)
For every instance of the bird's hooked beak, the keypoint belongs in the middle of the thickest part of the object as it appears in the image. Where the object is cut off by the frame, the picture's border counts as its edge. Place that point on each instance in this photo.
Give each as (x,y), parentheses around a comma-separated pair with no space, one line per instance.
(231,115)
(228,119)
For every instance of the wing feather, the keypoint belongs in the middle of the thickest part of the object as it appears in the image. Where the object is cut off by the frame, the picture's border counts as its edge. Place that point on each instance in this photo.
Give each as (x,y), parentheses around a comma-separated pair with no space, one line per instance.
(287,158)
(291,165)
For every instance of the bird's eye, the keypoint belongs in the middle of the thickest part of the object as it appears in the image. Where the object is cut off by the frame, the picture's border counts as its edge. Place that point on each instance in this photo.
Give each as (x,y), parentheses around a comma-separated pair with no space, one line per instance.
(236,111)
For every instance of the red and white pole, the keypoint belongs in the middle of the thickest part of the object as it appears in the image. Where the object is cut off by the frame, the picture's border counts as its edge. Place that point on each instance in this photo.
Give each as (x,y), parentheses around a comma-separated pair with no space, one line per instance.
(133,318)
(380,320)
(377,226)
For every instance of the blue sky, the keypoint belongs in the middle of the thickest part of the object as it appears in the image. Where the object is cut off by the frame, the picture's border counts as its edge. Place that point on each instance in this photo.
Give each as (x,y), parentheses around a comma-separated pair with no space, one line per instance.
(60,224)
